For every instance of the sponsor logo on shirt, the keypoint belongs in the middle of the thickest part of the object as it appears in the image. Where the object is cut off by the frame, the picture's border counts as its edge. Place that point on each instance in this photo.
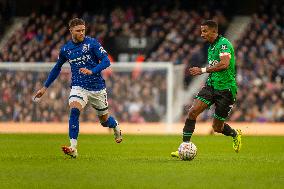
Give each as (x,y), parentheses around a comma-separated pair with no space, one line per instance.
(80,60)
(213,62)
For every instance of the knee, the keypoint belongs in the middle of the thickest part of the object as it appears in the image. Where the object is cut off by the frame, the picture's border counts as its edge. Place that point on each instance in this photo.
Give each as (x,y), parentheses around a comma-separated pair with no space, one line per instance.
(75,105)
(217,128)
(193,114)
(103,118)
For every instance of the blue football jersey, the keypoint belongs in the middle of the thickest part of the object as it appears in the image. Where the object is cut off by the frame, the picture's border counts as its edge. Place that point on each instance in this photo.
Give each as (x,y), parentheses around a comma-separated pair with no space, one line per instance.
(85,54)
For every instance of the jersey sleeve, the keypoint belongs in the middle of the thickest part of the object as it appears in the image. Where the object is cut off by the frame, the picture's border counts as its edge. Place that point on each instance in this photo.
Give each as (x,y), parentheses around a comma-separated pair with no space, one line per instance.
(61,57)
(98,50)
(102,56)
(224,49)
(56,69)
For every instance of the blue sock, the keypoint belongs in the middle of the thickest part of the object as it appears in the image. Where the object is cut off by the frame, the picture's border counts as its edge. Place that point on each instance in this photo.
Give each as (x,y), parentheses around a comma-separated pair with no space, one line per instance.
(74,123)
(111,123)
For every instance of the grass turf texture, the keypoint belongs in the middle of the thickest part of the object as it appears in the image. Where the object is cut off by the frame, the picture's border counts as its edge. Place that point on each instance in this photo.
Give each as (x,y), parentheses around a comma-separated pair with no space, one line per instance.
(35,161)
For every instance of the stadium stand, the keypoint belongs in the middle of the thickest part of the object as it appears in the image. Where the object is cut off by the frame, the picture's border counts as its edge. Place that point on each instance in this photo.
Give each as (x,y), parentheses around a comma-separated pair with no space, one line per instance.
(259,53)
(130,99)
(6,13)
(260,63)
(260,56)
(48,33)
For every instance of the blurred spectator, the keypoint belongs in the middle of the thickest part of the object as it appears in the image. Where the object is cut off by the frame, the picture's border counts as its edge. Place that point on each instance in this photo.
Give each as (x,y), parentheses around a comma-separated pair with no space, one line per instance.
(134,100)
(175,30)
(260,55)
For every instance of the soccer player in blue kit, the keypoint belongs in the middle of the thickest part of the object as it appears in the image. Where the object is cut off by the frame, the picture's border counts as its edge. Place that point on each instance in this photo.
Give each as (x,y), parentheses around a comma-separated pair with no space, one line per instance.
(87,58)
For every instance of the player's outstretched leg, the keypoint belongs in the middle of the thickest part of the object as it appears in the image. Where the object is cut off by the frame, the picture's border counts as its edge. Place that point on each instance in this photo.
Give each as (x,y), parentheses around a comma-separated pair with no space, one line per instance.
(237,141)
(112,123)
(236,134)
(73,133)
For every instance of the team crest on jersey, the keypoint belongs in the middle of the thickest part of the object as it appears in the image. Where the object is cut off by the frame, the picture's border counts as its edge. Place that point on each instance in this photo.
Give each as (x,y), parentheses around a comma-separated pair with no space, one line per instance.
(86,47)
(224,47)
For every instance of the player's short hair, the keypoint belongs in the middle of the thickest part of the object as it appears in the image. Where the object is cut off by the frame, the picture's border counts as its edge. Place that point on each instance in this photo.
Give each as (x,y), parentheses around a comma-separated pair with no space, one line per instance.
(75,22)
(210,24)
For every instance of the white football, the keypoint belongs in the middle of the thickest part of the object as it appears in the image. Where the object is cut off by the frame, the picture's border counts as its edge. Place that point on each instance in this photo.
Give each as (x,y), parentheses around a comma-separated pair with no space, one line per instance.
(187,151)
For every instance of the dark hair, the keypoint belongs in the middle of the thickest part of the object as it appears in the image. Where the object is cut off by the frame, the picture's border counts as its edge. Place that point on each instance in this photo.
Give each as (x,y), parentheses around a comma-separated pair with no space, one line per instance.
(75,22)
(210,24)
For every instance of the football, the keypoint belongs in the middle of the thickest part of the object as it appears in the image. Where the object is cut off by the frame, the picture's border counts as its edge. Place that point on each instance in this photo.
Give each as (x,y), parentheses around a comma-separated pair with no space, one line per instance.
(187,151)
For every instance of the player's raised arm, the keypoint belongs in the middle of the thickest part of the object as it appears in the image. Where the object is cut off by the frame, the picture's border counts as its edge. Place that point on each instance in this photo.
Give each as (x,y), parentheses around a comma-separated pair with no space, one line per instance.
(52,75)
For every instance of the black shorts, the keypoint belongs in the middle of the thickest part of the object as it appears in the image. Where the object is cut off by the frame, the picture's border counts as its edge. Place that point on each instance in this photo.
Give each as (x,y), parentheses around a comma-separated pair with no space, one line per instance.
(223,100)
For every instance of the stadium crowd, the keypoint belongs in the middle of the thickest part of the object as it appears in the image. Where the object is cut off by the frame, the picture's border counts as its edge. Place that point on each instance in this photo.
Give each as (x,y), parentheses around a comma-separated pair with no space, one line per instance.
(260,56)
(259,53)
(176,43)
(260,65)
(48,33)
(130,99)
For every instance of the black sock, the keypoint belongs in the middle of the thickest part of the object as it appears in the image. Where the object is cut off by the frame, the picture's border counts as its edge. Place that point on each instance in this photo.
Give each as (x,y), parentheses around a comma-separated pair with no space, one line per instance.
(188,129)
(228,131)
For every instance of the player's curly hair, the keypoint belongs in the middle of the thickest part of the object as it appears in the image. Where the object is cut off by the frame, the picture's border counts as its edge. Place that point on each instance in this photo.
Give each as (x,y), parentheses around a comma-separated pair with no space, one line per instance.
(75,22)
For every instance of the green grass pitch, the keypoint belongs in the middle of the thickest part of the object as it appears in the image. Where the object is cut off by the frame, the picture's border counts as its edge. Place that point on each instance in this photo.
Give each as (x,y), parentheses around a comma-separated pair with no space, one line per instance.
(36,161)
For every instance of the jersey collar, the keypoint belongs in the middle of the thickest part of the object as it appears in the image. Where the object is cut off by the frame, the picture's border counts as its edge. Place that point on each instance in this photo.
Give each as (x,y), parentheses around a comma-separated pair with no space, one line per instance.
(216,40)
(78,42)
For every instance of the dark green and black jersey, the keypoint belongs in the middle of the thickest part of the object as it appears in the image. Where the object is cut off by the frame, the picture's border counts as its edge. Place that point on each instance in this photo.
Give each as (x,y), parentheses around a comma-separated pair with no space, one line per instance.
(225,79)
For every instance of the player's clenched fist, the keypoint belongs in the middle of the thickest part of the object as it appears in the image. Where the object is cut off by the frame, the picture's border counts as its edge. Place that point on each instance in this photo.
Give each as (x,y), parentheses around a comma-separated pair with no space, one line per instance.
(195,71)
(86,71)
(40,92)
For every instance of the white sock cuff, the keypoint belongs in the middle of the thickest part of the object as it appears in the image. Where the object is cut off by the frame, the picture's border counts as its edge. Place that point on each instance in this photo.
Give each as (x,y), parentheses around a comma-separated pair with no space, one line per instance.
(73,143)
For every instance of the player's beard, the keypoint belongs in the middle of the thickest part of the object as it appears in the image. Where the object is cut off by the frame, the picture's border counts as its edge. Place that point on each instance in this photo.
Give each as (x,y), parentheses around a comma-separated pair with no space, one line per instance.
(80,38)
